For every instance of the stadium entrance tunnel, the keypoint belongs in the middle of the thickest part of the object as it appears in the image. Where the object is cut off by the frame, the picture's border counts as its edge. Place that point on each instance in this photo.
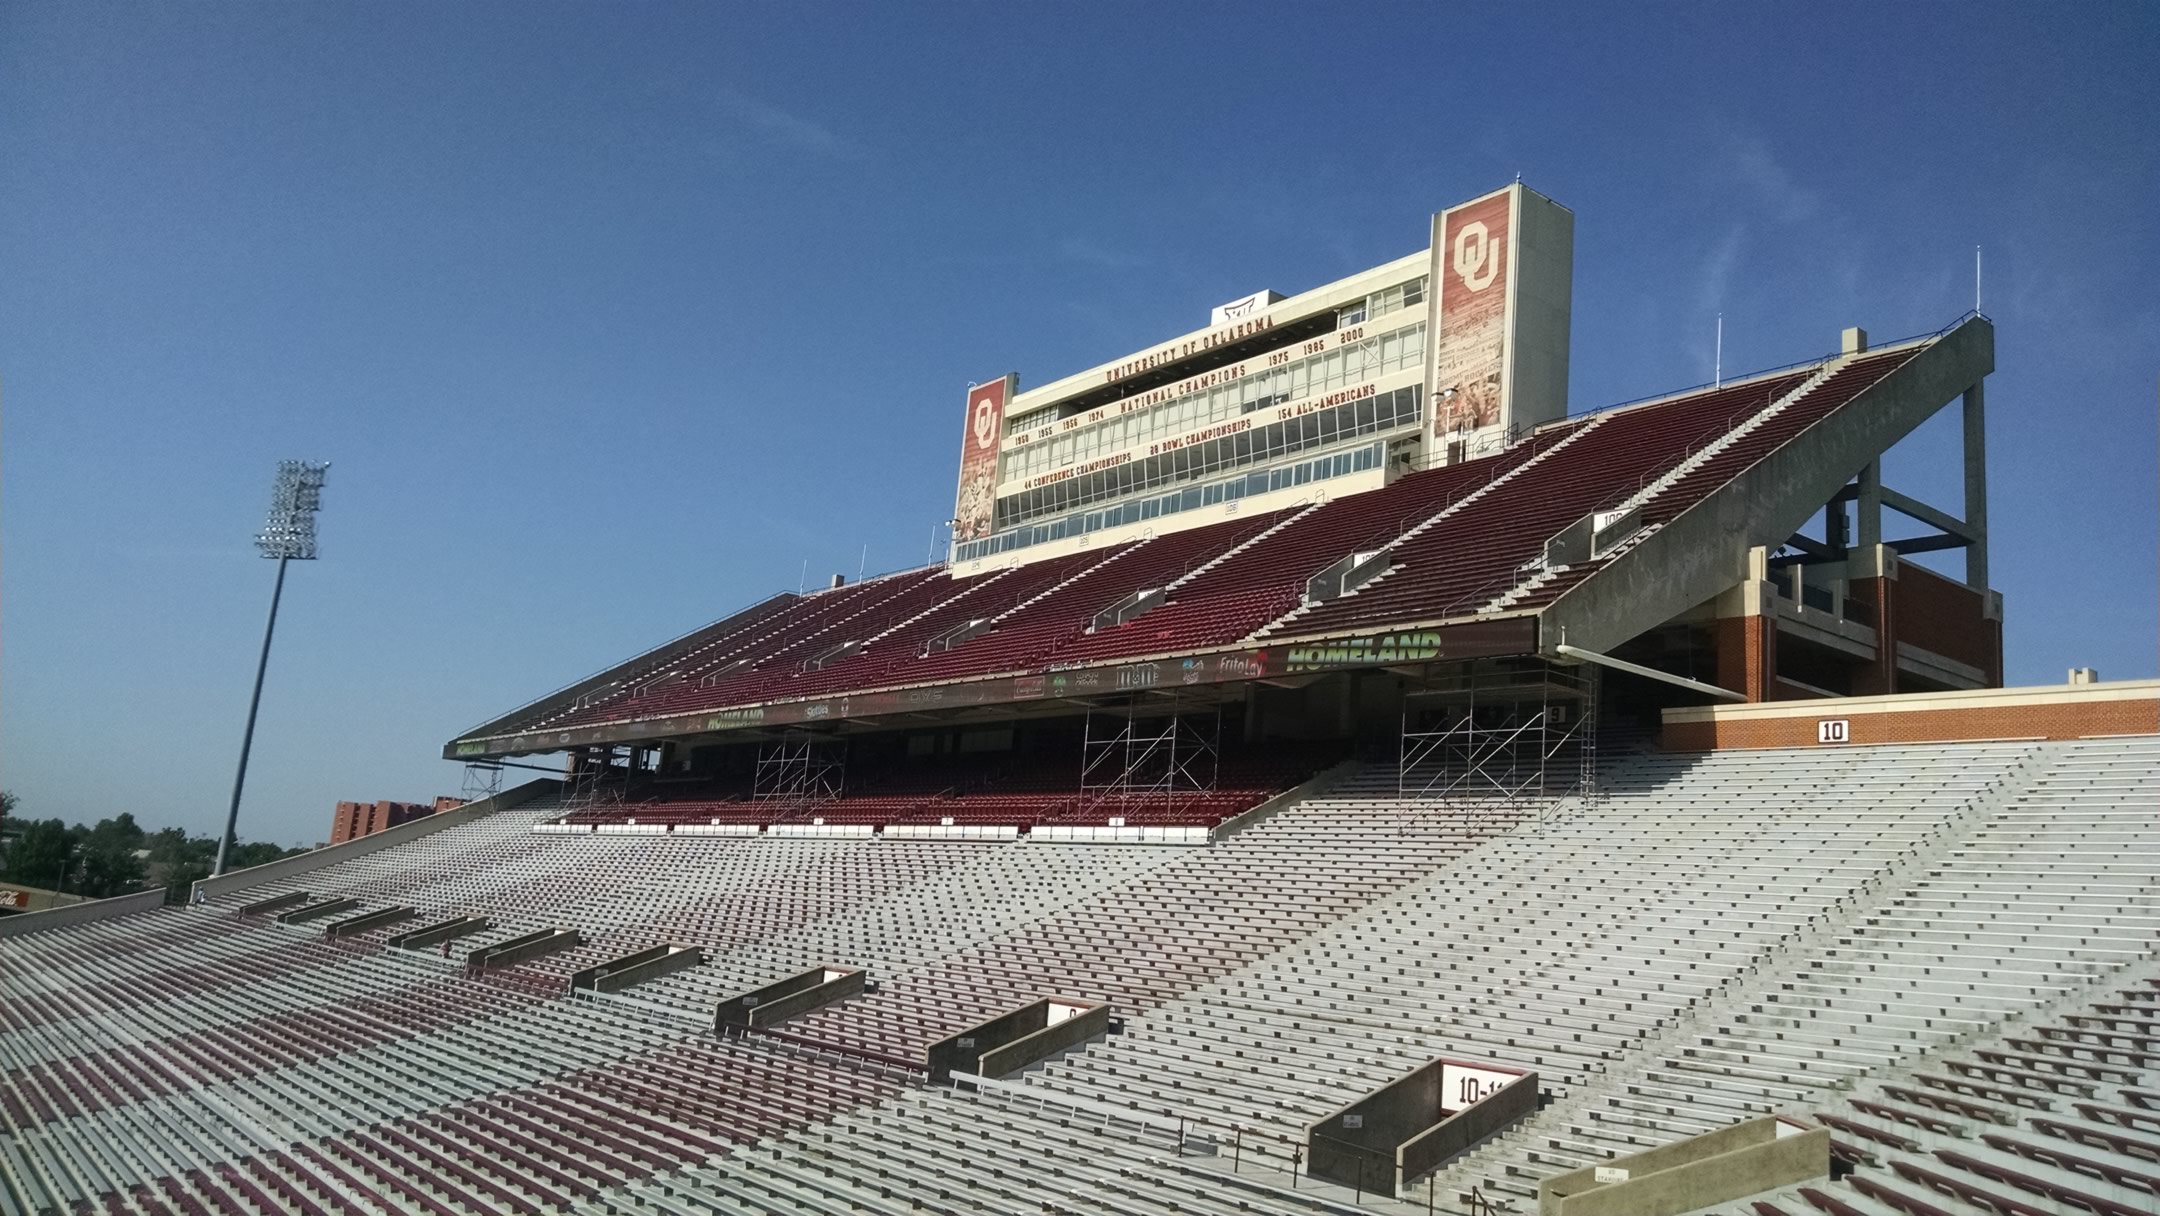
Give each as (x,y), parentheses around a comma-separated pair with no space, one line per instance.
(367,921)
(1715,1167)
(439,932)
(276,903)
(307,912)
(783,999)
(1011,1041)
(525,946)
(635,968)
(1417,1123)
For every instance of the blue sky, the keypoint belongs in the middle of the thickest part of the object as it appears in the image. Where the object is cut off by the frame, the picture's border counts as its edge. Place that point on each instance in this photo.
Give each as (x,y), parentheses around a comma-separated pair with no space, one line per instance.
(611,317)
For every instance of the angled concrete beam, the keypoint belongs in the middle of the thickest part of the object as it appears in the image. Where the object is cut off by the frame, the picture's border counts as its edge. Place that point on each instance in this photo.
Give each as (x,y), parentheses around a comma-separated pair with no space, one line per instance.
(1913,508)
(1703,551)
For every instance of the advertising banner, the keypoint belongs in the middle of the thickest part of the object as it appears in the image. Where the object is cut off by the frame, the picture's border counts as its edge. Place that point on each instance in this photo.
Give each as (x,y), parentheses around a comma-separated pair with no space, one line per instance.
(1442,643)
(1471,269)
(979,458)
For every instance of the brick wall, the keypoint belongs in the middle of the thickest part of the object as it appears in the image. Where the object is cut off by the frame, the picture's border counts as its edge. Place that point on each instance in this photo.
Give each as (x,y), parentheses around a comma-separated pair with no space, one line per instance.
(1927,718)
(1947,617)
(353,820)
(1747,656)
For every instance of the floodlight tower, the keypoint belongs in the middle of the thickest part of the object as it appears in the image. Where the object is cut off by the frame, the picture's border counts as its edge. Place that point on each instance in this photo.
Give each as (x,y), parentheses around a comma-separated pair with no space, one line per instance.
(288,535)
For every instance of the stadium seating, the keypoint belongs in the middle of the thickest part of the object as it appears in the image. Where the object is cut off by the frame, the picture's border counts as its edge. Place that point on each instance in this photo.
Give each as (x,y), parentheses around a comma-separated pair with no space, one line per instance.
(1461,541)
(1942,953)
(1714,464)
(988,790)
(1238,596)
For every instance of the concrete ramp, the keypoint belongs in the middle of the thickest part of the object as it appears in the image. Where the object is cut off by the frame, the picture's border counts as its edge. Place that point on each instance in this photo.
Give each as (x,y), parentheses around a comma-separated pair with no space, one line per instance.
(525,946)
(1715,1167)
(316,911)
(353,926)
(797,994)
(439,932)
(632,969)
(1417,1123)
(1011,1041)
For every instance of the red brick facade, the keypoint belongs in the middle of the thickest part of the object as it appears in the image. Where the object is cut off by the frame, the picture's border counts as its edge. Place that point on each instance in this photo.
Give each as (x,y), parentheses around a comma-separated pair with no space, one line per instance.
(1947,617)
(2051,713)
(1878,678)
(1915,607)
(1747,656)
(353,820)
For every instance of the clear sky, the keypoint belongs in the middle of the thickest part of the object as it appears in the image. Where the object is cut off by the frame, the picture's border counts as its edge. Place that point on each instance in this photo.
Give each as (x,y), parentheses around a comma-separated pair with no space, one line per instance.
(613,316)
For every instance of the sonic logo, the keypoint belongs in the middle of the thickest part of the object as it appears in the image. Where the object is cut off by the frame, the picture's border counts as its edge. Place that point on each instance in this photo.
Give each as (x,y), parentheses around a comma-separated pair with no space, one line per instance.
(1477,260)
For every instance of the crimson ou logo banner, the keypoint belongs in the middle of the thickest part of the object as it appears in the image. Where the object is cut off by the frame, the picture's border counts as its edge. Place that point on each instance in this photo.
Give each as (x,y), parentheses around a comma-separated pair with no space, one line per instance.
(984,424)
(1477,256)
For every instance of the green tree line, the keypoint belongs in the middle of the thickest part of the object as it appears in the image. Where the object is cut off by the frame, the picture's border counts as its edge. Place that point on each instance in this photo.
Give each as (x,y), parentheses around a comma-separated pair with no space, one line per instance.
(114,856)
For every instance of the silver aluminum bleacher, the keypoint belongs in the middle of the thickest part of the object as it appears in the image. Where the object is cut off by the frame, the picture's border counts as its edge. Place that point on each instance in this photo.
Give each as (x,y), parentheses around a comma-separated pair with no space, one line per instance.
(1944,952)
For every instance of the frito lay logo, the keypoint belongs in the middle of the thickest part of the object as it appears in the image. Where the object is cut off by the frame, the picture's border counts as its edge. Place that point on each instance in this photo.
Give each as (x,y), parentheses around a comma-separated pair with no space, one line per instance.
(1477,260)
(985,422)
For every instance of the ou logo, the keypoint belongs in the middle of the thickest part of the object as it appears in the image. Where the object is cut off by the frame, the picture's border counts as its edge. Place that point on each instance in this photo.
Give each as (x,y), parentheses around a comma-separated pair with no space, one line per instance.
(1477,257)
(985,424)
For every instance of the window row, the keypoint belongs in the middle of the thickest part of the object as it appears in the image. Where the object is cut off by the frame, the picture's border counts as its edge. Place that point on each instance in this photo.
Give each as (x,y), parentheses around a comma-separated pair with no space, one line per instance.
(1191,498)
(1307,377)
(1260,445)
(1381,303)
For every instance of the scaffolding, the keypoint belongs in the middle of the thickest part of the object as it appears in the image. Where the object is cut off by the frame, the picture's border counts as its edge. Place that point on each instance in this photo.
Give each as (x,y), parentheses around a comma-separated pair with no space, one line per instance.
(800,770)
(598,780)
(483,780)
(1126,755)
(1506,729)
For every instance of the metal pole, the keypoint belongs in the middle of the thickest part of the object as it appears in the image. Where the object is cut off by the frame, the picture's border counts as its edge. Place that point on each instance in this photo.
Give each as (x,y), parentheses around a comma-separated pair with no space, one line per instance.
(247,739)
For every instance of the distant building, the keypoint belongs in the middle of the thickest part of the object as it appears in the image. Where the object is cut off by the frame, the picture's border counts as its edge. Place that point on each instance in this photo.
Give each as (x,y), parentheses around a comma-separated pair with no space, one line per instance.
(15,897)
(356,819)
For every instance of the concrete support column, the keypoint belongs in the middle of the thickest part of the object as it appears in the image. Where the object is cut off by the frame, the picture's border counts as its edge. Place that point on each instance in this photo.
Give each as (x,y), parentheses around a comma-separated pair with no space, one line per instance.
(1747,656)
(1745,633)
(1976,553)
(1869,505)
(1875,577)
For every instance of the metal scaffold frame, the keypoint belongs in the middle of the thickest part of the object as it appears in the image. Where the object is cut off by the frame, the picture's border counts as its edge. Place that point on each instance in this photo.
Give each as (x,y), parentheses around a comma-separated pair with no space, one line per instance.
(482,780)
(1506,729)
(598,779)
(1173,750)
(800,769)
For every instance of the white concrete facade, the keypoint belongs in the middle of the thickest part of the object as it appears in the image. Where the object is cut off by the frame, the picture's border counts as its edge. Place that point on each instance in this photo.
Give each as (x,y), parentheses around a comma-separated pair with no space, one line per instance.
(1323,393)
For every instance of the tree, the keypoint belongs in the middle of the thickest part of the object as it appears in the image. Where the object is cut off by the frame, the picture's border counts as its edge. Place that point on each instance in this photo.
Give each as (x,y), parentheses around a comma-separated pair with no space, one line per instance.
(257,853)
(7,805)
(109,867)
(178,861)
(42,855)
(107,857)
(117,857)
(121,831)
(169,846)
(180,878)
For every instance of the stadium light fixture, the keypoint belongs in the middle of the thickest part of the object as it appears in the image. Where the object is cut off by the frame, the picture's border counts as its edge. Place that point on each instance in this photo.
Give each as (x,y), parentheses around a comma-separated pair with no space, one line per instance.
(288,535)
